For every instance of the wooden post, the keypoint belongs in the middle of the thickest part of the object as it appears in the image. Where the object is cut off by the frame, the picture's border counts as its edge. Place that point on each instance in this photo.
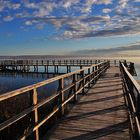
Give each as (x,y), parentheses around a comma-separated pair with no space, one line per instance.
(75,87)
(83,82)
(37,62)
(34,102)
(54,69)
(61,86)
(93,75)
(47,62)
(67,69)
(96,73)
(89,78)
(45,68)
(57,69)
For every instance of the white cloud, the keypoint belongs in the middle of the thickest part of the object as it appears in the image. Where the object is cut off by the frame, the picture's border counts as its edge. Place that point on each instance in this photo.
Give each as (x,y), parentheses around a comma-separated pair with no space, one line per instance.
(15,6)
(69,3)
(8,18)
(42,8)
(76,18)
(106,2)
(123,3)
(28,23)
(137,0)
(107,10)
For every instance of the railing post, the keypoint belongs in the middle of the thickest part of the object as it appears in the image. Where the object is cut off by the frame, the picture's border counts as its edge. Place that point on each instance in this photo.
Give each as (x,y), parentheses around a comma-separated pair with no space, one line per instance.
(83,82)
(34,102)
(37,62)
(61,86)
(93,75)
(96,73)
(75,86)
(89,78)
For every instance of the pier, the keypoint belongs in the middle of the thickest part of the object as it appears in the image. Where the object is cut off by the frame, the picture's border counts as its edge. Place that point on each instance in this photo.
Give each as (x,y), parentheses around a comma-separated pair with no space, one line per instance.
(100,101)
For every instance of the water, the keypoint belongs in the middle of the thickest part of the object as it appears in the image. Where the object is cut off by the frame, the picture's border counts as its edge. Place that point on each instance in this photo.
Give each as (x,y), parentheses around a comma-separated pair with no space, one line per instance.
(12,81)
(137,67)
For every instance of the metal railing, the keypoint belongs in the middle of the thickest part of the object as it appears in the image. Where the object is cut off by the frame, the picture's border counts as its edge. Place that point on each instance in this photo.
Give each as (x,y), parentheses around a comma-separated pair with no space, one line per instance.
(80,79)
(132,98)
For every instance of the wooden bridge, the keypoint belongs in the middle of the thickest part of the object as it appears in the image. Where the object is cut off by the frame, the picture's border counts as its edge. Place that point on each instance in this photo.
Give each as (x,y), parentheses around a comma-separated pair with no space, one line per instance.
(99,101)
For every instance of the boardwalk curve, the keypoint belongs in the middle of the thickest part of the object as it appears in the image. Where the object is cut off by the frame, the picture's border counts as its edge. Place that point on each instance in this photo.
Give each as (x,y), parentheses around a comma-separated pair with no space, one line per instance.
(100,114)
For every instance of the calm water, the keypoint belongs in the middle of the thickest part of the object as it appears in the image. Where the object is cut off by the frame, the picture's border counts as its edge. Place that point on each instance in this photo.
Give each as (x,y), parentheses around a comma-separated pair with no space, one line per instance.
(12,81)
(137,67)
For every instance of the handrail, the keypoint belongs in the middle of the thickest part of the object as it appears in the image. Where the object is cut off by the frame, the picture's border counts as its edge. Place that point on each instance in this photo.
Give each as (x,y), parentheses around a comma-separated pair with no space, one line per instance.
(77,85)
(132,99)
(42,83)
(39,62)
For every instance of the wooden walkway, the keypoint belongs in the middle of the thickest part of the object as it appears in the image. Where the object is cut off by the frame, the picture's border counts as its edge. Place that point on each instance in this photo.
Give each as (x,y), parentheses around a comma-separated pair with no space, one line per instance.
(100,114)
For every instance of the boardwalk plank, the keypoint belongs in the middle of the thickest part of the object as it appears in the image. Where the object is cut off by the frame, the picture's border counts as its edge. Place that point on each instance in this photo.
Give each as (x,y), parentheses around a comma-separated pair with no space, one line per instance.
(100,114)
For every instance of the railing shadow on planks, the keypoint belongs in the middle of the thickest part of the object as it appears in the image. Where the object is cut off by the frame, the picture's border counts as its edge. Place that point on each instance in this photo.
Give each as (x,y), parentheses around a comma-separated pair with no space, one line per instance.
(132,99)
(80,80)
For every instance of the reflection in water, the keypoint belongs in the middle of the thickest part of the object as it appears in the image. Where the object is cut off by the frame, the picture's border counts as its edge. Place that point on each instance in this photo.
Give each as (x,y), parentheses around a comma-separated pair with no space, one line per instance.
(12,80)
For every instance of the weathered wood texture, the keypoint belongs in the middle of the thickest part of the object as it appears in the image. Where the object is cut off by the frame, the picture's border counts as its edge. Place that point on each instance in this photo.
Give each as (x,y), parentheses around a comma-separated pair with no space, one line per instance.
(100,114)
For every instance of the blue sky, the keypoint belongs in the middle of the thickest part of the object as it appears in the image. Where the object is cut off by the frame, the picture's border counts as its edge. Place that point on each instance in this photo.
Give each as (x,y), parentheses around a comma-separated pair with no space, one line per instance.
(64,26)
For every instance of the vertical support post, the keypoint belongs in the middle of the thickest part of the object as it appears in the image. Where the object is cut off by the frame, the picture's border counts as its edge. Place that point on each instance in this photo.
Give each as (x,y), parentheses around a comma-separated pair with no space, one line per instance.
(45,68)
(54,69)
(34,102)
(47,62)
(37,62)
(89,78)
(61,87)
(83,82)
(57,69)
(96,73)
(67,69)
(75,86)
(93,75)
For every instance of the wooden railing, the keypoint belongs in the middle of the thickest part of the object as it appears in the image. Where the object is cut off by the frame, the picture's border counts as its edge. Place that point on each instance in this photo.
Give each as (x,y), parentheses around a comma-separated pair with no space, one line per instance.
(72,62)
(80,79)
(132,99)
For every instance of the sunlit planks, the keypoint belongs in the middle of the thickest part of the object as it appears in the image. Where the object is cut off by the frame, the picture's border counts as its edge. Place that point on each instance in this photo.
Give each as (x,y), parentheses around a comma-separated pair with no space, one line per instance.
(100,114)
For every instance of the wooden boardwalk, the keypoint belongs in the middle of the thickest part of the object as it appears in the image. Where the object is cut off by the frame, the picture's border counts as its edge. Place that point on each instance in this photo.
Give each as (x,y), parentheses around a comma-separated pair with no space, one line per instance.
(100,114)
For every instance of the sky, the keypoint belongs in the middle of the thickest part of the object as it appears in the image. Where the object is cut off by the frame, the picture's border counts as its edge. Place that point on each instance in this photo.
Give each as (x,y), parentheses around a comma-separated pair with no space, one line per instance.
(59,27)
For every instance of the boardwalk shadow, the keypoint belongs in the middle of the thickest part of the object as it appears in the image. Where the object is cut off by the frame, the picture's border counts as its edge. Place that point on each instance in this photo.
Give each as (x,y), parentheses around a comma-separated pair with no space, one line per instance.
(104,91)
(116,128)
(104,86)
(98,112)
(101,99)
(111,81)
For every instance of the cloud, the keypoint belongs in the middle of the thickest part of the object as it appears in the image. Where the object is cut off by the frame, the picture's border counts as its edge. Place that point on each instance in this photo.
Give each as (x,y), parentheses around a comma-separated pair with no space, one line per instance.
(28,23)
(137,0)
(110,51)
(107,10)
(69,3)
(8,18)
(74,19)
(91,26)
